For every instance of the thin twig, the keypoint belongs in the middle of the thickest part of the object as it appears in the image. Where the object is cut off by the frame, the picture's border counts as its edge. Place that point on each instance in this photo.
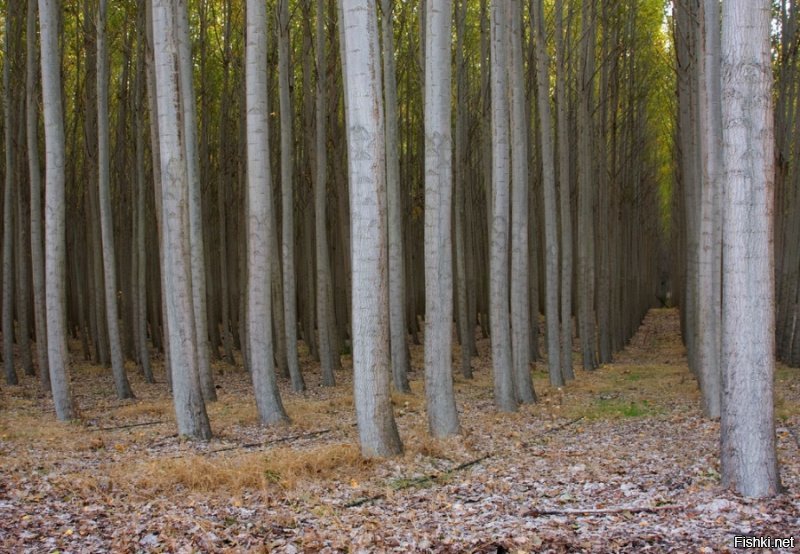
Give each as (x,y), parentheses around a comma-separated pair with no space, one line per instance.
(603,511)
(562,426)
(420,480)
(128,426)
(275,441)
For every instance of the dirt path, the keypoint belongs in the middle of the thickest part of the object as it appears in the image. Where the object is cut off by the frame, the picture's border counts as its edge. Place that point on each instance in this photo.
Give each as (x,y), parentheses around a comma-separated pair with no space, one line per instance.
(621,460)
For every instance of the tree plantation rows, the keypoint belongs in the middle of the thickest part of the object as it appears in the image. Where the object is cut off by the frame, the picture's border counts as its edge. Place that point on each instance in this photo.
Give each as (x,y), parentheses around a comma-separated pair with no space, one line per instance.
(239,182)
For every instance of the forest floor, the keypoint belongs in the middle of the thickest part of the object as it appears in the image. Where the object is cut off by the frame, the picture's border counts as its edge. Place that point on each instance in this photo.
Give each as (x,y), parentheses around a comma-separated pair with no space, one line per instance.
(621,460)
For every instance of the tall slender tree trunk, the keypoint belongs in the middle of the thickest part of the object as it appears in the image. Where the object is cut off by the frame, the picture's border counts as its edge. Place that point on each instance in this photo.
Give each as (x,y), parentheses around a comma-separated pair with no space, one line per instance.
(287,199)
(549,185)
(366,160)
(140,212)
(155,151)
(222,188)
(504,395)
(55,211)
(709,267)
(22,265)
(328,354)
(565,204)
(440,398)
(685,15)
(466,325)
(259,218)
(586,257)
(397,281)
(749,462)
(521,217)
(176,243)
(198,264)
(8,207)
(121,384)
(35,178)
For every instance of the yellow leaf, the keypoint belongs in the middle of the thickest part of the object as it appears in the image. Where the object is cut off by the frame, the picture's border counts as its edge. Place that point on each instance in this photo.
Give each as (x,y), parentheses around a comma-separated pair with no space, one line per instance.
(119,447)
(69,532)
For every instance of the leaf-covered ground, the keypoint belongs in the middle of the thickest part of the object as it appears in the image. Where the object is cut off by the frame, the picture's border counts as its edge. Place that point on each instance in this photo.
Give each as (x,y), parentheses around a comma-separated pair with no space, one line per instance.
(621,460)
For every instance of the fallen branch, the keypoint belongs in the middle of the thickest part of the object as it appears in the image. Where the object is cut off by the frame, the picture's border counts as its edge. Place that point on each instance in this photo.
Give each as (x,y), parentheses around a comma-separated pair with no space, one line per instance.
(128,426)
(603,511)
(419,481)
(562,426)
(163,441)
(275,441)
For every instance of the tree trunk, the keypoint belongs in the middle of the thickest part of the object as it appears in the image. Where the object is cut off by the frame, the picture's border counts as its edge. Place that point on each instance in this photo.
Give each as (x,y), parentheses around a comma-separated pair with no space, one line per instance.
(198,264)
(504,395)
(367,158)
(586,263)
(565,204)
(521,217)
(397,282)
(8,207)
(121,384)
(328,354)
(141,250)
(549,185)
(176,243)
(287,199)
(35,177)
(155,152)
(55,211)
(259,219)
(709,266)
(440,398)
(466,325)
(22,265)
(749,463)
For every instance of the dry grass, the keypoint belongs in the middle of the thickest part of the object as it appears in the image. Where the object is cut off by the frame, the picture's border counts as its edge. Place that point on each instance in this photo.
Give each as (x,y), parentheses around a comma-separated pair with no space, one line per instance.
(151,408)
(233,474)
(787,399)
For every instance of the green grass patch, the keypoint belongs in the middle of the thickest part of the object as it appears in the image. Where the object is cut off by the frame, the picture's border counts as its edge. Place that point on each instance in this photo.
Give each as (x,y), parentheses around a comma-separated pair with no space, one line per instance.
(616,408)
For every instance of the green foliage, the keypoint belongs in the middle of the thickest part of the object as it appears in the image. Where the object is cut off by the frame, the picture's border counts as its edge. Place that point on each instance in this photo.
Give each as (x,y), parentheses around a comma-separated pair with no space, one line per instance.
(613,408)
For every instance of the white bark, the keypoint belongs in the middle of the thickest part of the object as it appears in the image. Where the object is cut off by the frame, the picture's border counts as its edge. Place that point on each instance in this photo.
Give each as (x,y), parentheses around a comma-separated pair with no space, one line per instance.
(188,118)
(749,463)
(55,211)
(189,404)
(504,396)
(366,160)
(155,153)
(710,248)
(439,395)
(287,199)
(259,218)
(121,384)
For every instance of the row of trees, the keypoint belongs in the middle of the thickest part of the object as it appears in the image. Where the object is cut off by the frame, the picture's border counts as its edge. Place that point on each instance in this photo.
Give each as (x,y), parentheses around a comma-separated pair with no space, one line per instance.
(497,154)
(726,173)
